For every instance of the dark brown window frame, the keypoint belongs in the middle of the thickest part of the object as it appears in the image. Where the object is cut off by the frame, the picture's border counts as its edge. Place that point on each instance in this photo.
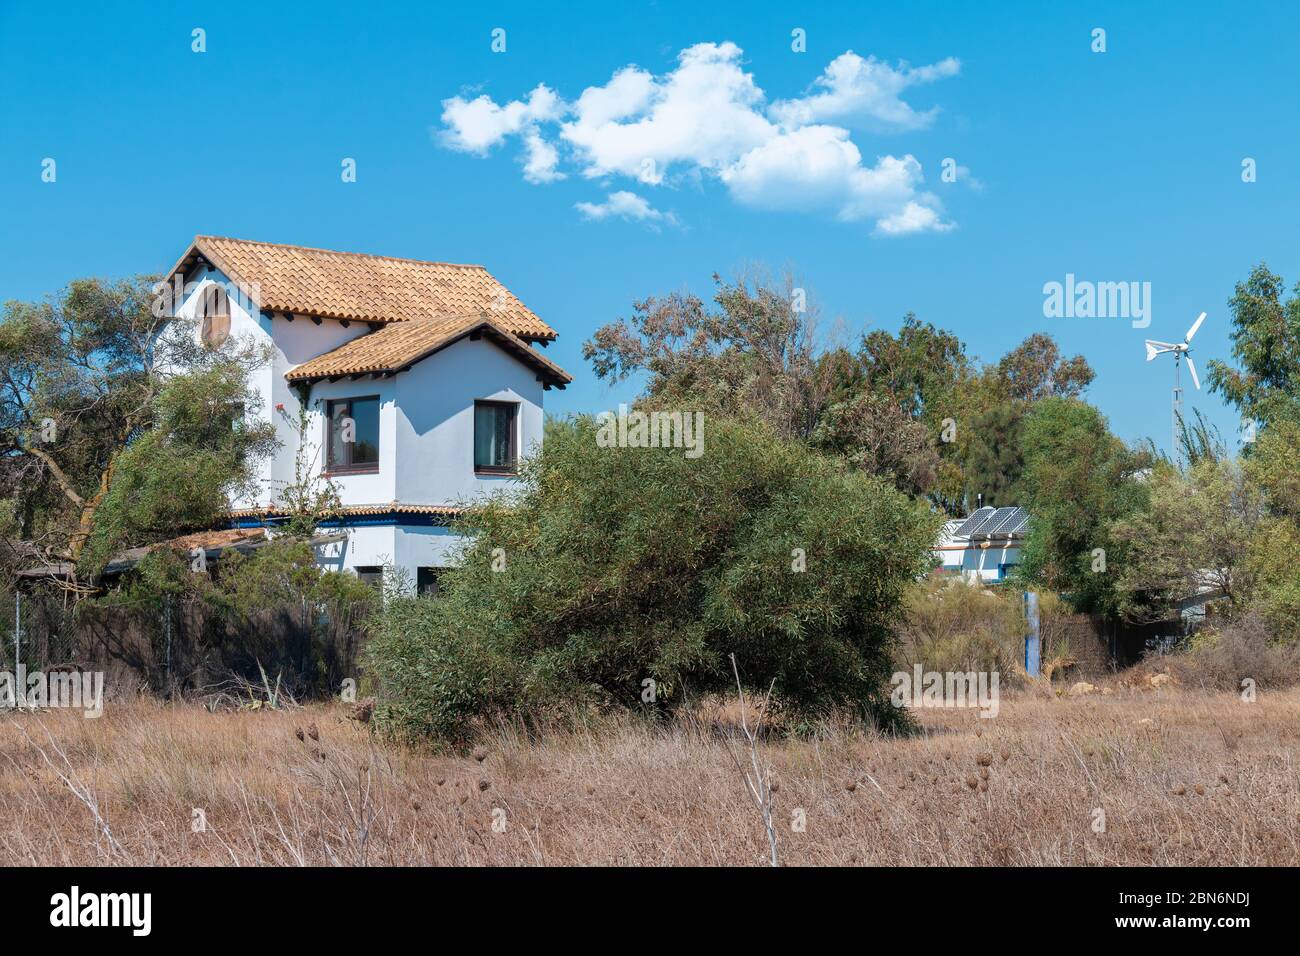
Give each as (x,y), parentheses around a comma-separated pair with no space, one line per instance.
(333,468)
(372,574)
(513,467)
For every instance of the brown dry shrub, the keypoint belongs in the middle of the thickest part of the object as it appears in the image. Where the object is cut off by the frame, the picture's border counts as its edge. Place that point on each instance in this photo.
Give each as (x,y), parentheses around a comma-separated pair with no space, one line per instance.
(1222,658)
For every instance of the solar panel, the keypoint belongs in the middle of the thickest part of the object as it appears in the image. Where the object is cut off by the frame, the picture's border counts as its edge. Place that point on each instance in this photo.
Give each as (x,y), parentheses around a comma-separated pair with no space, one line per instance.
(977,518)
(1021,524)
(1004,527)
(992,522)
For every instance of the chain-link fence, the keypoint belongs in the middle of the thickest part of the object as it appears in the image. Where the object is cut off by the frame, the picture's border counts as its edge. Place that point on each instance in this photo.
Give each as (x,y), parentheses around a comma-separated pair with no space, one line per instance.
(38,631)
(175,645)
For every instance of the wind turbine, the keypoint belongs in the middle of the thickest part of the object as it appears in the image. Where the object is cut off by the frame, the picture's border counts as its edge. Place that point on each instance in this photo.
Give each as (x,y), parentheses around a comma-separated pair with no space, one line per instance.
(1180,351)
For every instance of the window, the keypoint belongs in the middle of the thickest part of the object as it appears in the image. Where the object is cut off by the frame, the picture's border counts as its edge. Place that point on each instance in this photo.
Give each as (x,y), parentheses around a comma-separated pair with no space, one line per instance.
(353,436)
(374,576)
(427,583)
(495,437)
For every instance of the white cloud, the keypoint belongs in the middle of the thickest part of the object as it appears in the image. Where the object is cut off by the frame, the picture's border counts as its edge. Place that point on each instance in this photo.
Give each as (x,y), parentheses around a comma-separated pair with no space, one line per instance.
(913,217)
(541,159)
(856,90)
(705,113)
(819,168)
(475,126)
(625,205)
(707,118)
(627,93)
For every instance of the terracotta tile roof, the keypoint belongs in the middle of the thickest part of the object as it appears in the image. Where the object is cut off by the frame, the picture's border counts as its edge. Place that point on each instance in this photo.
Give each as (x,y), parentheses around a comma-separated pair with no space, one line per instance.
(212,542)
(212,539)
(358,511)
(397,346)
(365,288)
(209,541)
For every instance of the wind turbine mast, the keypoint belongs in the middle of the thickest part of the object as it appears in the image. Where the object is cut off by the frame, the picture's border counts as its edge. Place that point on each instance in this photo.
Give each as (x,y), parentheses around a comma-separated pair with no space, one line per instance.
(1177,446)
(1180,351)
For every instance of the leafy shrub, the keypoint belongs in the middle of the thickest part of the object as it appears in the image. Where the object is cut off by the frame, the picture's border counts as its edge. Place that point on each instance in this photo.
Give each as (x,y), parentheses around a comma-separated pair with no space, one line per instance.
(954,625)
(618,566)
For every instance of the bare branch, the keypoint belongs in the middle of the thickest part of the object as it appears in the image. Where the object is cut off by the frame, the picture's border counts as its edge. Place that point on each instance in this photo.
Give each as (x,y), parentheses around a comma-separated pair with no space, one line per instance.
(59,476)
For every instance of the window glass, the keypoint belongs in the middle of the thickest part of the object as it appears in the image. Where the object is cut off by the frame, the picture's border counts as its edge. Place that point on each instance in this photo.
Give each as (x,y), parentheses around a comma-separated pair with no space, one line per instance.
(494,435)
(338,457)
(365,450)
(354,434)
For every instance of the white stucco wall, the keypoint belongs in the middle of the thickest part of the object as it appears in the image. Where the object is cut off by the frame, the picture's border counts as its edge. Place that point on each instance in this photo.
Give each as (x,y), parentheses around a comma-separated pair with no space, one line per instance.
(426,437)
(979,562)
(371,489)
(426,448)
(297,342)
(425,547)
(426,425)
(405,547)
(435,420)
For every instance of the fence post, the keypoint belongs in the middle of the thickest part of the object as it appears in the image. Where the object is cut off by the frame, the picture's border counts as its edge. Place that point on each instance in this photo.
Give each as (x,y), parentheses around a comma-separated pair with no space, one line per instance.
(167,623)
(18,626)
(1033,647)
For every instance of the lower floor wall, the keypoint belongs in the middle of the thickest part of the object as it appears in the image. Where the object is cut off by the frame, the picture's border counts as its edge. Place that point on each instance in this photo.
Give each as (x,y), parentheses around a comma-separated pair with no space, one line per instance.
(991,563)
(407,555)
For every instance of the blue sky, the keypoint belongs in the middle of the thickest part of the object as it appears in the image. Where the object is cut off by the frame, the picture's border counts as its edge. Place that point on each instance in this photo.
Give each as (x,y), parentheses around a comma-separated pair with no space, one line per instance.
(1115,166)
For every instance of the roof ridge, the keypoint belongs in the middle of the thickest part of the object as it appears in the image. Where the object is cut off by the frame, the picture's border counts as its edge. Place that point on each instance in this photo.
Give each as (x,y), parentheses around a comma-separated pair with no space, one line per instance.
(340,252)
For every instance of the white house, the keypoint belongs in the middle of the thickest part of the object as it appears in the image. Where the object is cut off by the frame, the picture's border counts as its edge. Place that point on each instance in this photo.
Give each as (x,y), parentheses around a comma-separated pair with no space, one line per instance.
(421,386)
(984,546)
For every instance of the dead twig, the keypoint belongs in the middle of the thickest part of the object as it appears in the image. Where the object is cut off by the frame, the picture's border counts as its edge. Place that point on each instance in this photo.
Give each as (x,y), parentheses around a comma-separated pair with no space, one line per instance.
(758,778)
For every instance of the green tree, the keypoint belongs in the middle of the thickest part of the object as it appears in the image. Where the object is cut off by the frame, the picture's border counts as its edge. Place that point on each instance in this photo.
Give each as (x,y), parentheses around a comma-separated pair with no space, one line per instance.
(917,369)
(755,351)
(876,436)
(1274,468)
(988,445)
(918,372)
(1195,534)
(1266,342)
(994,405)
(1078,480)
(1035,370)
(613,567)
(116,423)
(909,406)
(1272,562)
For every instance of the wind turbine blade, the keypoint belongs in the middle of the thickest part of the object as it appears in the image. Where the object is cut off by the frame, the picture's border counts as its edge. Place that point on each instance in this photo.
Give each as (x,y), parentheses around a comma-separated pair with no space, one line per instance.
(1195,325)
(1155,348)
(1192,368)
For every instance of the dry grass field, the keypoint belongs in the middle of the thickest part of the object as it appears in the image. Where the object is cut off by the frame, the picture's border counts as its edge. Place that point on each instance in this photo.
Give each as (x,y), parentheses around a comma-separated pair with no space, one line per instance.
(1184,777)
